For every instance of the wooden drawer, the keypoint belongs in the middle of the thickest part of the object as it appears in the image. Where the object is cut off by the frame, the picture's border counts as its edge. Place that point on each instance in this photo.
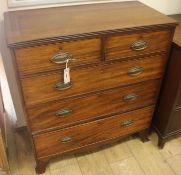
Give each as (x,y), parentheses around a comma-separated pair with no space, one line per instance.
(73,111)
(36,59)
(40,89)
(122,46)
(61,141)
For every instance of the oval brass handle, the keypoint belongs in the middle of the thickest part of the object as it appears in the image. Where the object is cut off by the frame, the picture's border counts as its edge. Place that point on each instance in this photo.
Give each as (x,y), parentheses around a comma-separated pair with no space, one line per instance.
(63,112)
(61,57)
(130,97)
(127,122)
(135,71)
(139,45)
(62,86)
(66,139)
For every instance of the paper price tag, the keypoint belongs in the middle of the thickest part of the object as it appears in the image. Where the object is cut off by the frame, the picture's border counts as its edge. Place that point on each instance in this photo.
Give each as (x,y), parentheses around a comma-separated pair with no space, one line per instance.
(67,75)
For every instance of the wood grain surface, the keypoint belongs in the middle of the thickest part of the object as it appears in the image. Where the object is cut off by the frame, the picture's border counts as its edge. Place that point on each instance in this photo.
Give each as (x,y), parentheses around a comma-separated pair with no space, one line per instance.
(37,59)
(92,106)
(40,89)
(105,70)
(119,46)
(92,132)
(43,24)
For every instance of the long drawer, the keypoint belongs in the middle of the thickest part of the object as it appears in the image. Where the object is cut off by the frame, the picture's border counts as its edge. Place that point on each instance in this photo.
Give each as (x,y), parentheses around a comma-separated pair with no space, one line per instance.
(61,141)
(62,114)
(49,87)
(44,58)
(122,46)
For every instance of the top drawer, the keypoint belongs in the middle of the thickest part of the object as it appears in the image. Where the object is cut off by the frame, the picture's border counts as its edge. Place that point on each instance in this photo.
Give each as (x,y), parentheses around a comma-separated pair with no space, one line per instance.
(122,46)
(36,59)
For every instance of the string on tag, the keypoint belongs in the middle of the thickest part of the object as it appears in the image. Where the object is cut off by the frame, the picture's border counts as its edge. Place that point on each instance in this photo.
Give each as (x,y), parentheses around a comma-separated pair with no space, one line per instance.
(66,64)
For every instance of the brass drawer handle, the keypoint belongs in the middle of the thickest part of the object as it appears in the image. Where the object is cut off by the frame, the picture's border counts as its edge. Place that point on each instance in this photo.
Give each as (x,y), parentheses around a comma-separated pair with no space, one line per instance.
(134,71)
(62,86)
(66,139)
(139,45)
(130,97)
(61,57)
(63,112)
(127,123)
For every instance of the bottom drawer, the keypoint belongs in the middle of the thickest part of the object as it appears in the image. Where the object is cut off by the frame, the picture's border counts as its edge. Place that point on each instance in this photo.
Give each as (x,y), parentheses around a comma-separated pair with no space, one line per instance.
(69,139)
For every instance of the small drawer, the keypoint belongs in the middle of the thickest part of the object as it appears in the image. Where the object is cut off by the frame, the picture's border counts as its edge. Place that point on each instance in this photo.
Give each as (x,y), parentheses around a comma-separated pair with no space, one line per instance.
(73,111)
(73,138)
(49,57)
(50,87)
(122,46)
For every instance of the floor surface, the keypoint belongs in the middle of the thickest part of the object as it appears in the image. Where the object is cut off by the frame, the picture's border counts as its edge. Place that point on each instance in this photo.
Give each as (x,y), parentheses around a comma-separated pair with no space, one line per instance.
(128,157)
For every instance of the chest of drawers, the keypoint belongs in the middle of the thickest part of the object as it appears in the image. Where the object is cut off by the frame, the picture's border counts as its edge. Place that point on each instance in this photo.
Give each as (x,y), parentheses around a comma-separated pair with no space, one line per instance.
(167,121)
(117,62)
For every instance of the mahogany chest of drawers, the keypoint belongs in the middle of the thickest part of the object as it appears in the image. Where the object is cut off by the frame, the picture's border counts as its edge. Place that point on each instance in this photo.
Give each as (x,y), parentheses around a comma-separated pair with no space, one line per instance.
(117,57)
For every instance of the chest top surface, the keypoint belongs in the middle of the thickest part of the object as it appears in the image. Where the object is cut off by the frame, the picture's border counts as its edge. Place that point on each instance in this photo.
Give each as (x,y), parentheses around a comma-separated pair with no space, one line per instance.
(52,23)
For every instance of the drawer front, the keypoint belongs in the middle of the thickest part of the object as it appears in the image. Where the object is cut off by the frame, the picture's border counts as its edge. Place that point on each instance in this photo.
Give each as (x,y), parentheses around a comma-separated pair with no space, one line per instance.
(48,87)
(73,111)
(76,137)
(123,46)
(43,58)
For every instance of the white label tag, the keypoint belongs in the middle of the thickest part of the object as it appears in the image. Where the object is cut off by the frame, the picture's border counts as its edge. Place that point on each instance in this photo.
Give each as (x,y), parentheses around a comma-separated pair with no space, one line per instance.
(67,75)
